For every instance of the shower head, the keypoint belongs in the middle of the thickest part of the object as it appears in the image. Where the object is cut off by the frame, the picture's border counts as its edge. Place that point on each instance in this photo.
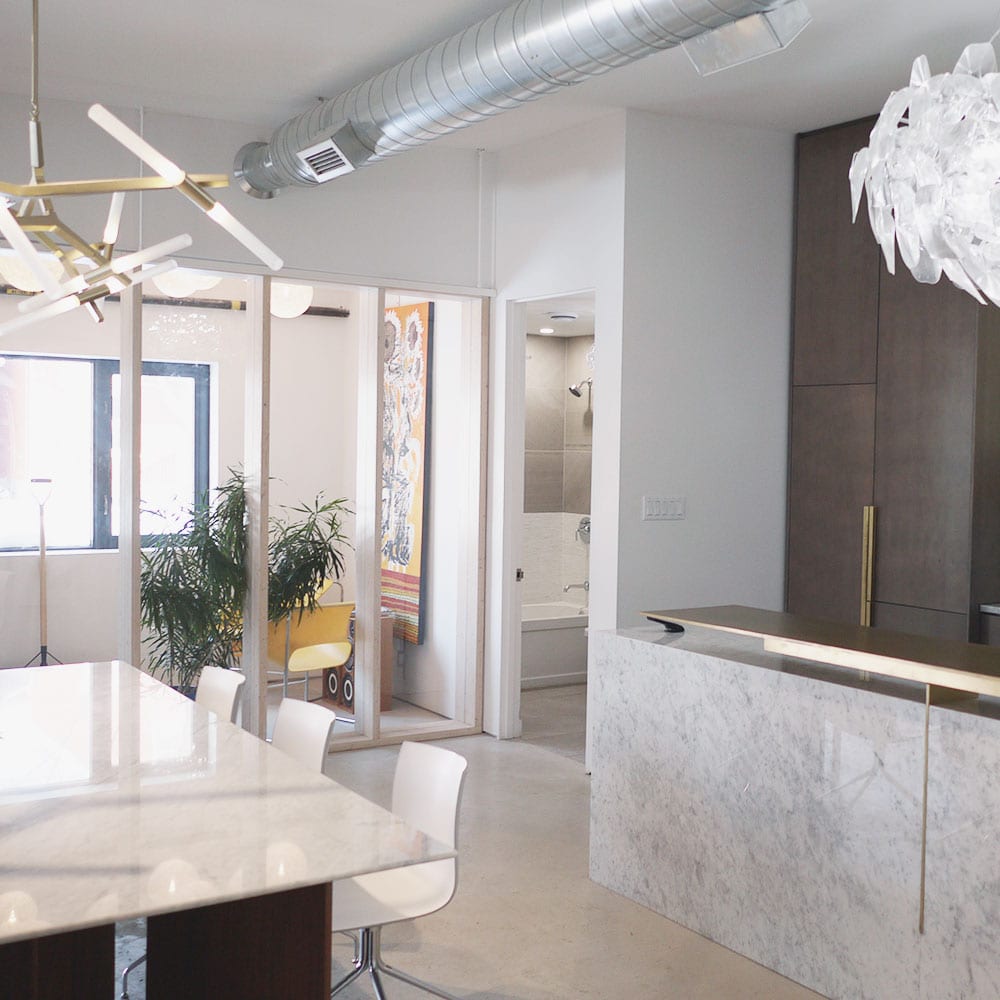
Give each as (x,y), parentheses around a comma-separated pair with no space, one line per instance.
(577,390)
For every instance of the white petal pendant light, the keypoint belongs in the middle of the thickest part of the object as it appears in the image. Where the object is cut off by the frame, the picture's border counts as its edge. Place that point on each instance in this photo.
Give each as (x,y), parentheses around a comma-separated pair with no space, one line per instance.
(183,281)
(289,301)
(930,171)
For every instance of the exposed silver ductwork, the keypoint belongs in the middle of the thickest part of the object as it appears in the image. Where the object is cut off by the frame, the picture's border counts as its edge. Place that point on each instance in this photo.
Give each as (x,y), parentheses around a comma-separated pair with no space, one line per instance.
(519,54)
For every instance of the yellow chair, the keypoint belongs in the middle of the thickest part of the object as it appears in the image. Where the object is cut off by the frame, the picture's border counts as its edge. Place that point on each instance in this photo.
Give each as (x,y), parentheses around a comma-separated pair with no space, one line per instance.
(314,640)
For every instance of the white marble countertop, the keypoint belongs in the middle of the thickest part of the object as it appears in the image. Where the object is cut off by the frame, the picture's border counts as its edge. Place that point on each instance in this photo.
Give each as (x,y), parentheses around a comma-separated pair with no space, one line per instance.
(120,798)
(750,650)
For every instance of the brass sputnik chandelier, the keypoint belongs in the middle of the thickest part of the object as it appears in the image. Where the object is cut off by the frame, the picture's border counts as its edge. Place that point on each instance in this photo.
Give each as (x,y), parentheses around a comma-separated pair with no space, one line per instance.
(84,272)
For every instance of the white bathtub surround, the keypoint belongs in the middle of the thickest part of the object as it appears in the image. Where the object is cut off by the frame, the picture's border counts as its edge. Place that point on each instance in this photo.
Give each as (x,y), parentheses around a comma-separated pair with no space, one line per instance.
(553,645)
(779,814)
(553,557)
(553,621)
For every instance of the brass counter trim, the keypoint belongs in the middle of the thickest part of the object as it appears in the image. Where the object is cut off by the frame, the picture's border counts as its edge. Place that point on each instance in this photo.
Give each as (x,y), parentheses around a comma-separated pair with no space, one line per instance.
(923,818)
(867,562)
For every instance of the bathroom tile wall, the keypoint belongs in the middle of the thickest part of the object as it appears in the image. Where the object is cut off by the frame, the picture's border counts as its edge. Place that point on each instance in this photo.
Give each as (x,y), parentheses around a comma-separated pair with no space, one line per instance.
(554,556)
(557,449)
(558,426)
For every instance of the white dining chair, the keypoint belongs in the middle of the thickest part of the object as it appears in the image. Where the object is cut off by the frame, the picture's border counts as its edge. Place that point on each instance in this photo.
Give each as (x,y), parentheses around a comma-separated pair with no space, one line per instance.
(218,691)
(426,793)
(302,729)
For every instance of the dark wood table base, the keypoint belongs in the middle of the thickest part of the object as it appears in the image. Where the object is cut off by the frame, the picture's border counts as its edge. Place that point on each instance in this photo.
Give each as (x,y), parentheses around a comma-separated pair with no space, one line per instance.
(260,948)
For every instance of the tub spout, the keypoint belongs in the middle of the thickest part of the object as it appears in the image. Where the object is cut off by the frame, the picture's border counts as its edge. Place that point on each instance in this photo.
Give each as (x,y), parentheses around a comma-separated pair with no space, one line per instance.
(585,586)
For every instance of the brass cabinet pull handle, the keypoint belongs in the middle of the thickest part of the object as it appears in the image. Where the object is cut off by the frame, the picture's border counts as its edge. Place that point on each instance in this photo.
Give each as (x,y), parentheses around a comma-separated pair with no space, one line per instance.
(867,562)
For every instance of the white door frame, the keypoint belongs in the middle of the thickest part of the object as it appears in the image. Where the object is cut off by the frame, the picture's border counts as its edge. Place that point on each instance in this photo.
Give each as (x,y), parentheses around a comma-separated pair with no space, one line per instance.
(505,506)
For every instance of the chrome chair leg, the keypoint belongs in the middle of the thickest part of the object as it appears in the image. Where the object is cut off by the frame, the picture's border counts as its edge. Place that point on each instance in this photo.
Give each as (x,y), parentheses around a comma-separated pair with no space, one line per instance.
(127,971)
(413,981)
(368,958)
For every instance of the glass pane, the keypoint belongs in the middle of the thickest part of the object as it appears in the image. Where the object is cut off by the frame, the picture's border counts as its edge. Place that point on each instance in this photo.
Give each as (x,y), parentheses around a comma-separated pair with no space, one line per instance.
(46,431)
(168,452)
(430,510)
(313,458)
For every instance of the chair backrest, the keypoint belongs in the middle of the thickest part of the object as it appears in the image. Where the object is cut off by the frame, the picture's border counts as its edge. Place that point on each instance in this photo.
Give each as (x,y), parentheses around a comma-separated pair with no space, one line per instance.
(327,623)
(218,691)
(427,789)
(302,730)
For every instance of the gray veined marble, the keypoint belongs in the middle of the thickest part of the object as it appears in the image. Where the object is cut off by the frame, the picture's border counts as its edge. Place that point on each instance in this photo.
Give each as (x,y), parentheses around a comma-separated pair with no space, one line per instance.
(780,815)
(120,798)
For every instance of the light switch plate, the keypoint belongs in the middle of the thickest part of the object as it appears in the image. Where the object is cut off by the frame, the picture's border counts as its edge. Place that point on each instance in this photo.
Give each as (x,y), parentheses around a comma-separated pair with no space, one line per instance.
(663,508)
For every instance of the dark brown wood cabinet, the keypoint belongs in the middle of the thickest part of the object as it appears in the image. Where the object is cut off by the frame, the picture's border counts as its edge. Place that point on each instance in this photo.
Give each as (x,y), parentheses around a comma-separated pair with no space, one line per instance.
(895,402)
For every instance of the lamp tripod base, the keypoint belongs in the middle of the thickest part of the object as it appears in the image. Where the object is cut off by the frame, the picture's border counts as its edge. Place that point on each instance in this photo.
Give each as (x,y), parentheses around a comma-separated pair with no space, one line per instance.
(43,658)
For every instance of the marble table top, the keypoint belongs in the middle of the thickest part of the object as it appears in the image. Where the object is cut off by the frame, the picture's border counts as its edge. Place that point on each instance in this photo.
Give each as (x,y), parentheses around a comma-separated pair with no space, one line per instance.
(121,798)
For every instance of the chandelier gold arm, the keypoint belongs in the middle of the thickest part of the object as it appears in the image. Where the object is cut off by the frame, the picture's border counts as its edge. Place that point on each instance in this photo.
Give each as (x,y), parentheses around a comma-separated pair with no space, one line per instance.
(51,189)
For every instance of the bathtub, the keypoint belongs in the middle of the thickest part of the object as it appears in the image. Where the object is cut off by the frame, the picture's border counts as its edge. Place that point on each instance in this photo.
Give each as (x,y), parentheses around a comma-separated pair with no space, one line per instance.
(553,645)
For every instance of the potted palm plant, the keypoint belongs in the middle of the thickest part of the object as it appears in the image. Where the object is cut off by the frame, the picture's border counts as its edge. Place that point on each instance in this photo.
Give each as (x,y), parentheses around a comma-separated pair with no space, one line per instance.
(194,583)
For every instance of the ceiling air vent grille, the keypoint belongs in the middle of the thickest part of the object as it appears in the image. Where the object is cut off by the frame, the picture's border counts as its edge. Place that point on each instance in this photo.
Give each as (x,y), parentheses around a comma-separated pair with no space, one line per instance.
(325,160)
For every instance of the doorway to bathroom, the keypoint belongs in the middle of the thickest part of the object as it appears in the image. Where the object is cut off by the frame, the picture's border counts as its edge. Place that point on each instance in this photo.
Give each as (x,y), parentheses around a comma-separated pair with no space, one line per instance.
(560,395)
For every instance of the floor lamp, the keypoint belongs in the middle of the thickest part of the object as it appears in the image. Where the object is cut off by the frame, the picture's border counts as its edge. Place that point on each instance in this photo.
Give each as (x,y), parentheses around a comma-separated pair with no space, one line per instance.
(42,490)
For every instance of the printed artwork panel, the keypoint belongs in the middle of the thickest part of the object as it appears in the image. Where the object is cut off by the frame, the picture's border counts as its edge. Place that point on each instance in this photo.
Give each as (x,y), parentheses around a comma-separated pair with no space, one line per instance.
(405,464)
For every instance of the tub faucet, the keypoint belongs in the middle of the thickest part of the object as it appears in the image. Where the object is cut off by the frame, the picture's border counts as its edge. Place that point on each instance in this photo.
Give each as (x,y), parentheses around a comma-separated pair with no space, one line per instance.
(585,586)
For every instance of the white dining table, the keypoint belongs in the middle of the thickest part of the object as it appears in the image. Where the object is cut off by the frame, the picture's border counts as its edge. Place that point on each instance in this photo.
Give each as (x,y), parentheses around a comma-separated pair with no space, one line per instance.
(121,798)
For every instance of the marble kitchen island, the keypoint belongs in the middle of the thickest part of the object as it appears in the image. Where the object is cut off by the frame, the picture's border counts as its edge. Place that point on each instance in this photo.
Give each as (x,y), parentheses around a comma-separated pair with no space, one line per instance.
(776,806)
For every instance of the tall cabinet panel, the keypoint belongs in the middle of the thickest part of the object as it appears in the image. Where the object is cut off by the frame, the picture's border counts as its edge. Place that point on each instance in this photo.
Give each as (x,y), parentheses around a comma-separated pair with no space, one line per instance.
(927,339)
(836,307)
(833,436)
(834,354)
(895,403)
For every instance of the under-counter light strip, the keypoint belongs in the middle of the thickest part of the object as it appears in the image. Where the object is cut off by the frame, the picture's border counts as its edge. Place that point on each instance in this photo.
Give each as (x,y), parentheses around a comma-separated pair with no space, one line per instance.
(887,666)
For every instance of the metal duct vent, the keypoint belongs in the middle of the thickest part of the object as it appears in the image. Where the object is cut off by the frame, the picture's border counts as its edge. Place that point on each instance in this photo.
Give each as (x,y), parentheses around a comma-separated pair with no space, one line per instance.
(325,161)
(521,53)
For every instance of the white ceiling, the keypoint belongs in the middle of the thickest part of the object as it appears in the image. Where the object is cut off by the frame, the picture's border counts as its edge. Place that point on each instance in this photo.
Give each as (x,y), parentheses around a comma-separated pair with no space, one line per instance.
(260,61)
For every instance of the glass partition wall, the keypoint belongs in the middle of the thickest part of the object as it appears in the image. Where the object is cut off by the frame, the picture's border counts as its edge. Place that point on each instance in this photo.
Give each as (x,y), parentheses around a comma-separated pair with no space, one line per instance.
(371,397)
(55,430)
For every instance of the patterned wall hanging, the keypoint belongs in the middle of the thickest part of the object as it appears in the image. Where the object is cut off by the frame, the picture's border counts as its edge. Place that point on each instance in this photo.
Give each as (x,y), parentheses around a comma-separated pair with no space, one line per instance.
(406,465)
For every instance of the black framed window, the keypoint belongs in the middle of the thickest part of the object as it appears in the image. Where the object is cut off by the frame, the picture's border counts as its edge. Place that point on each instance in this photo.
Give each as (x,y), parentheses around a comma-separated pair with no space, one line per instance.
(59,420)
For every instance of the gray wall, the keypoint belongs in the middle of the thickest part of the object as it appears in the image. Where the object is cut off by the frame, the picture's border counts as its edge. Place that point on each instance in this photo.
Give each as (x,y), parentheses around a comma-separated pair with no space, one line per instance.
(558,427)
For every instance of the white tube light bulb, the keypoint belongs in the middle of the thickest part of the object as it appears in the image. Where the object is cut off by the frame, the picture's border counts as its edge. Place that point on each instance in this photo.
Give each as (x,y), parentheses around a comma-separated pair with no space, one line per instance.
(25,249)
(120,265)
(152,272)
(135,143)
(36,302)
(220,214)
(113,224)
(56,308)
(133,260)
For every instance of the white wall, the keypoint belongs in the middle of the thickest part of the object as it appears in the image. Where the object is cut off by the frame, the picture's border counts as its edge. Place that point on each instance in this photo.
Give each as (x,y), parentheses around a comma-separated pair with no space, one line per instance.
(708,230)
(314,415)
(559,229)
(436,673)
(414,219)
(683,229)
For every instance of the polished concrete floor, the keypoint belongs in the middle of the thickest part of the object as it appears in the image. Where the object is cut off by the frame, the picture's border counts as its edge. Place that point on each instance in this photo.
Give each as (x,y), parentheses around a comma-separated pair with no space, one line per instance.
(555,719)
(526,922)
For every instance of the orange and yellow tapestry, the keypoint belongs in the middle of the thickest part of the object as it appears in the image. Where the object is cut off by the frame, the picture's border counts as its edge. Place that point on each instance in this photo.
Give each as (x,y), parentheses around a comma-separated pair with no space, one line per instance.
(405,463)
